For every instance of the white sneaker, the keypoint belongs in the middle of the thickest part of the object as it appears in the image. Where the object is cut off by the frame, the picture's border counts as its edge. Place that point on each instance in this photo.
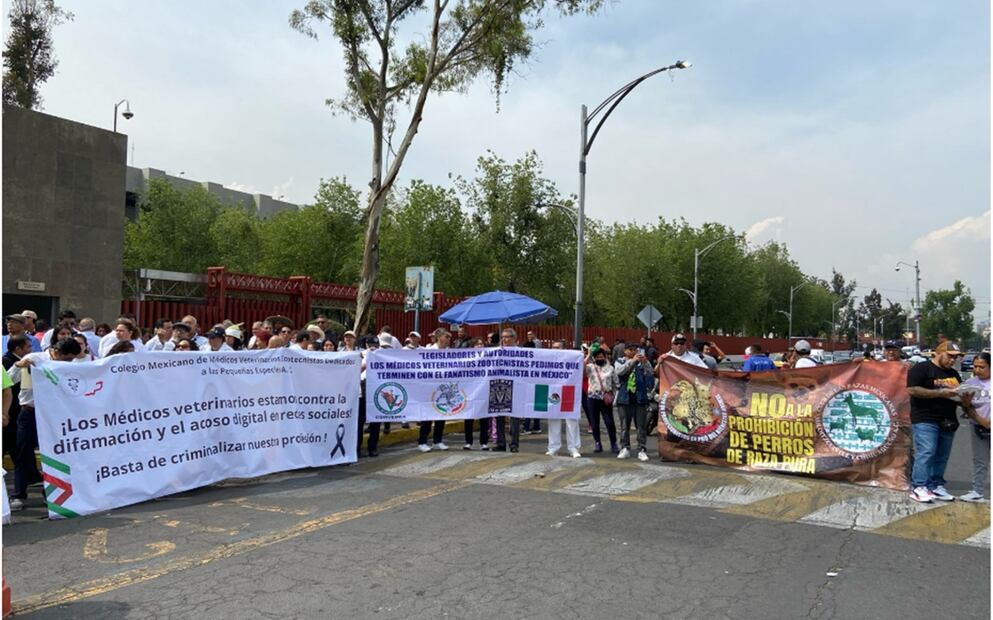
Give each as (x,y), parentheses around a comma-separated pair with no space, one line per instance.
(624,453)
(972,496)
(484,447)
(468,446)
(552,453)
(939,492)
(642,456)
(575,454)
(423,447)
(16,504)
(922,495)
(441,446)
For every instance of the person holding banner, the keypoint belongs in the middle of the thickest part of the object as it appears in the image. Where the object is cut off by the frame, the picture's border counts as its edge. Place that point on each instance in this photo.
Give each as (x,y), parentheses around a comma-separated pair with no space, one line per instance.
(484,423)
(508,338)
(25,466)
(373,444)
(444,342)
(635,377)
(572,436)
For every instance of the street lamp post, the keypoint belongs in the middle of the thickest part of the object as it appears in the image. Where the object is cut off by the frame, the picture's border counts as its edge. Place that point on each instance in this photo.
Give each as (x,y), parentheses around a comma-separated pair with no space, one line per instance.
(127,113)
(692,297)
(833,319)
(697,255)
(793,290)
(585,144)
(917,283)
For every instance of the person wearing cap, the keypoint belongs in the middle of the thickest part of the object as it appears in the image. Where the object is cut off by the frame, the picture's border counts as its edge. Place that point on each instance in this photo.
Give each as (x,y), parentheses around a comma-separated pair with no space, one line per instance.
(680,352)
(316,336)
(803,360)
(232,337)
(891,352)
(444,342)
(17,324)
(933,401)
(30,318)
(348,342)
(163,333)
(215,340)
(414,341)
(635,379)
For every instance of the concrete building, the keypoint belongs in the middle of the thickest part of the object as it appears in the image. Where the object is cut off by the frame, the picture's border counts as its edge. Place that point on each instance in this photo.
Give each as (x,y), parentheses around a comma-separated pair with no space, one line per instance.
(63,214)
(261,205)
(67,189)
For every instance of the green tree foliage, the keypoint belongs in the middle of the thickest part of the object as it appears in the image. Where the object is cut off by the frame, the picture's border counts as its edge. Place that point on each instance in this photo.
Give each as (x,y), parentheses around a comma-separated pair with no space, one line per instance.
(29,54)
(948,311)
(448,47)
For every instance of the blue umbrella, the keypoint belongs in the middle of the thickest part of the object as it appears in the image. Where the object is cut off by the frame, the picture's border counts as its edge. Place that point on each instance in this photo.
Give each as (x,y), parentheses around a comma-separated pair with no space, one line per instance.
(497,307)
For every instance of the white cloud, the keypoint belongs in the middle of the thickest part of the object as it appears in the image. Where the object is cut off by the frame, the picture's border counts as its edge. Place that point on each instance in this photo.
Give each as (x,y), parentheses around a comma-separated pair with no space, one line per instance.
(966,230)
(282,189)
(760,227)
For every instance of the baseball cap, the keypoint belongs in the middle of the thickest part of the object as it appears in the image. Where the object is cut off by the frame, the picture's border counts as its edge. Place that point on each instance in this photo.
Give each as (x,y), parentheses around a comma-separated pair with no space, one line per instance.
(631,345)
(948,347)
(414,334)
(316,330)
(233,331)
(802,346)
(17,317)
(183,327)
(217,332)
(891,344)
(31,314)
(676,337)
(348,333)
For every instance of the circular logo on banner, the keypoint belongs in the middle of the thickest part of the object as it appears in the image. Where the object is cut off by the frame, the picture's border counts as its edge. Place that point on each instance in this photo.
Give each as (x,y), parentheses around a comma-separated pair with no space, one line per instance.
(857,422)
(390,398)
(449,399)
(72,384)
(692,412)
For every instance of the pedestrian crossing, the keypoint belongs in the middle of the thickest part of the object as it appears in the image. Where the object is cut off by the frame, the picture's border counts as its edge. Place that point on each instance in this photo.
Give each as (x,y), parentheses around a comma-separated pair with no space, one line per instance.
(781,498)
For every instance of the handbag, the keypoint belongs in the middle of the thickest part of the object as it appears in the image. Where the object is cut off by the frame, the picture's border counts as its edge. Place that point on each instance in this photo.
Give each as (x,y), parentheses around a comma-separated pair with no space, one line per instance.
(608,397)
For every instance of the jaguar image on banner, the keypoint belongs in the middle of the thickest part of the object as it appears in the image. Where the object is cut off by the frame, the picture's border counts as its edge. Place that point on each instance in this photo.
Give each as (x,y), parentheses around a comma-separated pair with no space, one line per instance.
(847,422)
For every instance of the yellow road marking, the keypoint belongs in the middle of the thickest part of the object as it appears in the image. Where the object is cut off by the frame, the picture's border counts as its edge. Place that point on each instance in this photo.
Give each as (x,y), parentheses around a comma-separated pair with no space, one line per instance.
(210,529)
(950,523)
(795,506)
(299,512)
(696,482)
(95,549)
(102,585)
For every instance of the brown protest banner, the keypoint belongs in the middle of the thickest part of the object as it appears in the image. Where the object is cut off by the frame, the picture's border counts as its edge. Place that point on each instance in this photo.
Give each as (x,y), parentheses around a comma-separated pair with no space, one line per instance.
(847,422)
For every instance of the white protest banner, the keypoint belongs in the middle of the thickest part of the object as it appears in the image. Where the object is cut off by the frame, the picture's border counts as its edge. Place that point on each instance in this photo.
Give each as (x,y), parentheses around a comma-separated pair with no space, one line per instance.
(460,384)
(128,428)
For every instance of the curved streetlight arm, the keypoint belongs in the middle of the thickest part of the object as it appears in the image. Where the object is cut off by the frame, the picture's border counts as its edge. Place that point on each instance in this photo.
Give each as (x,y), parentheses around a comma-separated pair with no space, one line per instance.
(618,96)
(569,211)
(784,313)
(689,293)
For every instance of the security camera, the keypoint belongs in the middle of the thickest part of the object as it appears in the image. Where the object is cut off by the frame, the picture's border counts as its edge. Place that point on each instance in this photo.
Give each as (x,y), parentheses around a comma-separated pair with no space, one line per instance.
(127,114)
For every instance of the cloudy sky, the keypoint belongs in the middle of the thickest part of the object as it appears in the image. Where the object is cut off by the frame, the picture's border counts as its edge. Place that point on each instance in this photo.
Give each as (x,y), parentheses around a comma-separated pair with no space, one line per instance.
(856,132)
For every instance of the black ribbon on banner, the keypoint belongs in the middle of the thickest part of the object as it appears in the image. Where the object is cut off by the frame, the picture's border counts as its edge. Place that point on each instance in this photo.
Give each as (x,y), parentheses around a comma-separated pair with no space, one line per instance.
(339,443)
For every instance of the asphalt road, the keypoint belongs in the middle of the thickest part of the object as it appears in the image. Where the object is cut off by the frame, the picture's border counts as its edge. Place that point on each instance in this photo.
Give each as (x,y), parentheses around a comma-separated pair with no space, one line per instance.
(477,535)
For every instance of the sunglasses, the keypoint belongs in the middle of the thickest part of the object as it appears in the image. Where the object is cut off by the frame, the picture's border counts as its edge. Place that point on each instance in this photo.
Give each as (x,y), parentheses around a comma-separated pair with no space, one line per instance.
(183,347)
(679,342)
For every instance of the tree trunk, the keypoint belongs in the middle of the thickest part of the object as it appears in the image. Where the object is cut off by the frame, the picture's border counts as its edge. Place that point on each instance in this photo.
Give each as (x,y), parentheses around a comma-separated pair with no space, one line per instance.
(374,213)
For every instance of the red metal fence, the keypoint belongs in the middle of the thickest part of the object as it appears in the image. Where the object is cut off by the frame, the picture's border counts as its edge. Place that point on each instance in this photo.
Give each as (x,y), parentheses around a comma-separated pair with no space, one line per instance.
(245,298)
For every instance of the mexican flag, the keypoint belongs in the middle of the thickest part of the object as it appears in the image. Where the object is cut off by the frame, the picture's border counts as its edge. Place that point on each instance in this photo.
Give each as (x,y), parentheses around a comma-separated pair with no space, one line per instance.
(558,397)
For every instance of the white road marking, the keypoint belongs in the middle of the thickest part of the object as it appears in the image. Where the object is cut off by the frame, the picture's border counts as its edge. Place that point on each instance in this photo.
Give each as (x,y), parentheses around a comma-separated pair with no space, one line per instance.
(867,512)
(526,471)
(756,489)
(979,539)
(426,466)
(622,482)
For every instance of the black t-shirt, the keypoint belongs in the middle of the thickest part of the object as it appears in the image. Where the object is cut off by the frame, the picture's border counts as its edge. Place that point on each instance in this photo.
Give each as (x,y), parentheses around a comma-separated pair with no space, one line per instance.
(931,376)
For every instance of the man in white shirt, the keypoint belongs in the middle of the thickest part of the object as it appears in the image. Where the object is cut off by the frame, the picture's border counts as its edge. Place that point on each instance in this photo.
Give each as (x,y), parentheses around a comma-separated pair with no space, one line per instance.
(680,352)
(86,327)
(163,333)
(415,341)
(386,339)
(803,360)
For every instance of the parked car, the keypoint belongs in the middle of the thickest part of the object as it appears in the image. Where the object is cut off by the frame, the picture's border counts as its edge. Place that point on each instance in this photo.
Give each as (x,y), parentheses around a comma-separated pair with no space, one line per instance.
(842,356)
(967,360)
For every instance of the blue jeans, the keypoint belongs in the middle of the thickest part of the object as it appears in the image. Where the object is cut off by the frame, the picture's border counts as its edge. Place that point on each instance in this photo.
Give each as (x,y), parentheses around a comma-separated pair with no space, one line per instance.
(931,449)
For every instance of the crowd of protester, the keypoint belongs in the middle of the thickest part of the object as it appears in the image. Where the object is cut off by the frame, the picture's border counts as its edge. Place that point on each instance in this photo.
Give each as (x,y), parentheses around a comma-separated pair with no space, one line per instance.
(620,387)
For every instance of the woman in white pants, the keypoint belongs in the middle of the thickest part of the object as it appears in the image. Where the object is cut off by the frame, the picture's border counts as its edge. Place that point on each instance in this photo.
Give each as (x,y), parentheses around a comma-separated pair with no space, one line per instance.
(555,428)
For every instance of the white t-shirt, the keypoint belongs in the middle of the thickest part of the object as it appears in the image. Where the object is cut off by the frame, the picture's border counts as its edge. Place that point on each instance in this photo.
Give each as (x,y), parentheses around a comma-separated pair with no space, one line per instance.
(805,362)
(689,357)
(154,344)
